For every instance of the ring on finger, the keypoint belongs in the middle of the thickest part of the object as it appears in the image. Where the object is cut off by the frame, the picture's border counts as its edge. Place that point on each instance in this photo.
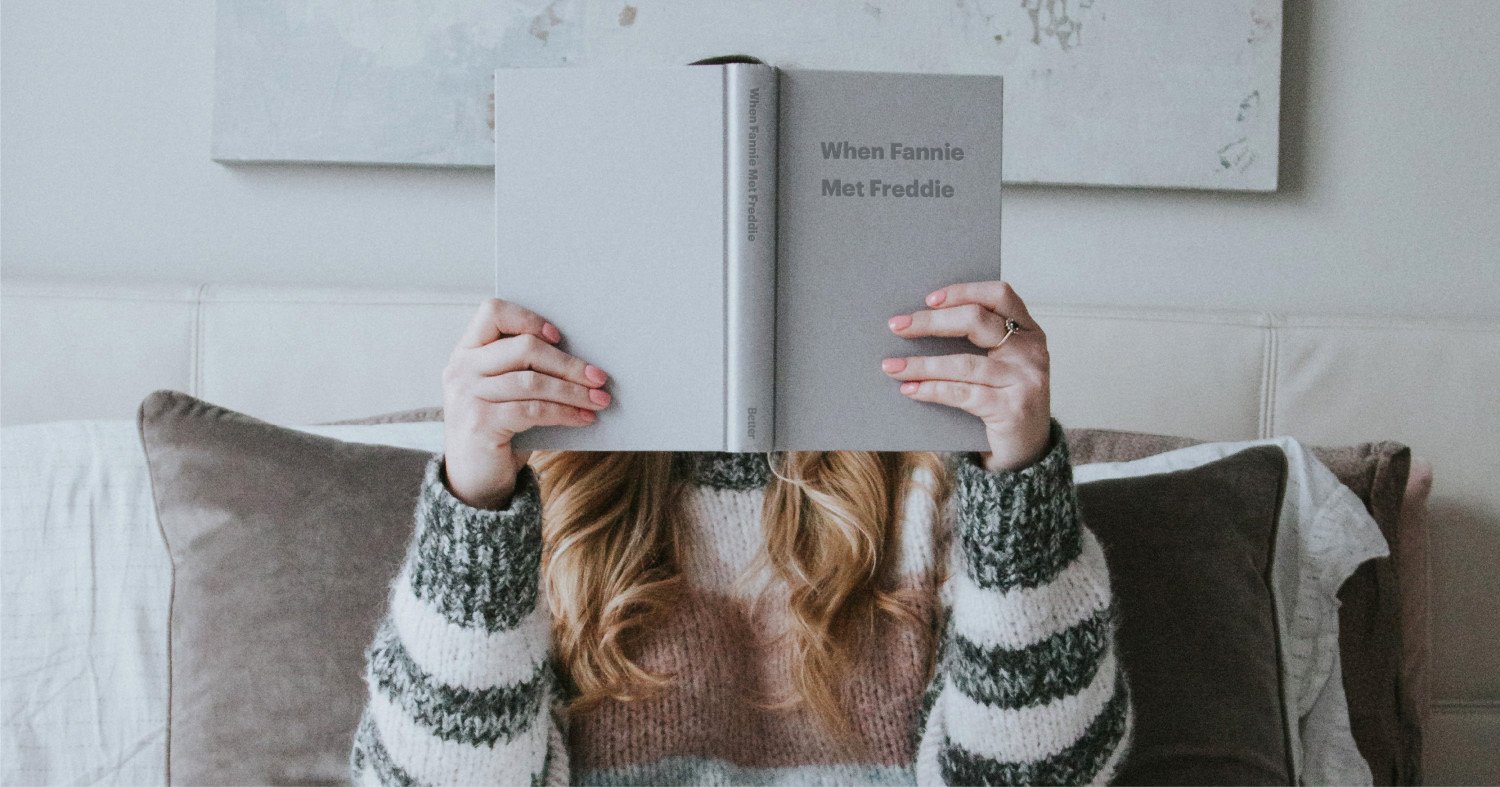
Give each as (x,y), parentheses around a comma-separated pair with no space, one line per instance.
(1011,327)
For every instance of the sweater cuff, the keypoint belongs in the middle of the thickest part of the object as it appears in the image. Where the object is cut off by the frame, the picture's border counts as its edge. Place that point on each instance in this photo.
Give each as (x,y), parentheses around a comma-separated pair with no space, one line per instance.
(1017,528)
(480,567)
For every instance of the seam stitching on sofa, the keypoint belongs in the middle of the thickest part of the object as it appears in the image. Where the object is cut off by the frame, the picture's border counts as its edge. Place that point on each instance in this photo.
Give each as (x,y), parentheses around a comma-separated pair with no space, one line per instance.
(1269,381)
(334,295)
(355,302)
(198,340)
(111,298)
(1226,318)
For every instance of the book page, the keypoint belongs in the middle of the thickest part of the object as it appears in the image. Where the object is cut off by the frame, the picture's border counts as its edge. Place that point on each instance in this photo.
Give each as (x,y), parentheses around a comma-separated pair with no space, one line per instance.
(609,203)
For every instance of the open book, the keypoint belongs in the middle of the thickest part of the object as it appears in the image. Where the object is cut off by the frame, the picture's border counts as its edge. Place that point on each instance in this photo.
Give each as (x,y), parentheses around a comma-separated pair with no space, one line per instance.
(728,241)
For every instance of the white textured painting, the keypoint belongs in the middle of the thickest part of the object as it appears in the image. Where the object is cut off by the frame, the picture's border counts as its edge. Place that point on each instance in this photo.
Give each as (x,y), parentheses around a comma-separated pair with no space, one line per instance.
(1165,93)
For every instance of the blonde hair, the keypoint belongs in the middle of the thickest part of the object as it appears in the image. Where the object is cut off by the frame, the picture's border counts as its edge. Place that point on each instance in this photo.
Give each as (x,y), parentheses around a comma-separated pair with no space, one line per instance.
(612,554)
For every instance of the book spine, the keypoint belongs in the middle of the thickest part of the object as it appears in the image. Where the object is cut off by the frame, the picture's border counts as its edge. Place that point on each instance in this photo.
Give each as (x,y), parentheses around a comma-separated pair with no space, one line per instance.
(750,115)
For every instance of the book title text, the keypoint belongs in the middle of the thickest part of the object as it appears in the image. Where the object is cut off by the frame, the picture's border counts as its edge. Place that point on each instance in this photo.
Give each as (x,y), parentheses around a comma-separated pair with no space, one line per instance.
(894,151)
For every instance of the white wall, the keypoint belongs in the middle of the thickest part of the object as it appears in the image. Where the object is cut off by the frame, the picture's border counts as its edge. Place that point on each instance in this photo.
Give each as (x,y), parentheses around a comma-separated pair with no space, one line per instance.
(1389,203)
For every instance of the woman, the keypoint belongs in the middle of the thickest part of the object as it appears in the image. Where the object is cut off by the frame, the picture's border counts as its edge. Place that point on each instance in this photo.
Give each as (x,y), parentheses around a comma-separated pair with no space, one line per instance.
(703,617)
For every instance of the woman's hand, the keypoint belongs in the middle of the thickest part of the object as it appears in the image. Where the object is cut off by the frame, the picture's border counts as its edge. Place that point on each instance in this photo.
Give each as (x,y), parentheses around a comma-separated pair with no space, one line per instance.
(1007,387)
(504,377)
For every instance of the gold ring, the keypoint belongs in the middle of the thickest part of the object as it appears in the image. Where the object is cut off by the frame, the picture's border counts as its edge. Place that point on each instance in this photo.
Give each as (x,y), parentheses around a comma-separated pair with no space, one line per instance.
(1011,326)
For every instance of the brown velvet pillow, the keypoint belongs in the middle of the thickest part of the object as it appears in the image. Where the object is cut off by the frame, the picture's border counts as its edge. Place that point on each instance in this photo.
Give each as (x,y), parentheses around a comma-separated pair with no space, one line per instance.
(1383,703)
(283,546)
(1190,556)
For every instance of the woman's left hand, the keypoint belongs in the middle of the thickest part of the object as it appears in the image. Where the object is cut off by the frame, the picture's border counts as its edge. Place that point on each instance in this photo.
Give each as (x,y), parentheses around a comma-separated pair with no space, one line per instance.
(1008,386)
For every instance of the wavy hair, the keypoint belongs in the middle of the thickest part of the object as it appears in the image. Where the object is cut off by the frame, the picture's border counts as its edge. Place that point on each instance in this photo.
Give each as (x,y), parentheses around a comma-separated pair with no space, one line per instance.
(612,557)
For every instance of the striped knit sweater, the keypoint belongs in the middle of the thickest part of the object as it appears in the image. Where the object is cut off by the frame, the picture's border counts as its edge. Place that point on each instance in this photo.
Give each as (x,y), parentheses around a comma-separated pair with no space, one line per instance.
(465,689)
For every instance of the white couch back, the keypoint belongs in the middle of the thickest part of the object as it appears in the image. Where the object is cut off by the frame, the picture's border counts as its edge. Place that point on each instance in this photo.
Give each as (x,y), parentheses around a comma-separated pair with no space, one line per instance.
(298,355)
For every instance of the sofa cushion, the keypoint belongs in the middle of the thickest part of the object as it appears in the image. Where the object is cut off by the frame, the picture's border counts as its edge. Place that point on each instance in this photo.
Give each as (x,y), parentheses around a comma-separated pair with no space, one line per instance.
(1190,556)
(283,545)
(1383,691)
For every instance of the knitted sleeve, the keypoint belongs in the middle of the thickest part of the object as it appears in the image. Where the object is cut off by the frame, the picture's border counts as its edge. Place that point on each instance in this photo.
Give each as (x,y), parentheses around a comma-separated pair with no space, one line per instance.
(461,681)
(1028,689)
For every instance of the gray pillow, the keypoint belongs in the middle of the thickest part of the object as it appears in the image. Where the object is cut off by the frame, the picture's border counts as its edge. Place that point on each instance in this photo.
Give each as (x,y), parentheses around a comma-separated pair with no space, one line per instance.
(1190,555)
(283,547)
(1384,709)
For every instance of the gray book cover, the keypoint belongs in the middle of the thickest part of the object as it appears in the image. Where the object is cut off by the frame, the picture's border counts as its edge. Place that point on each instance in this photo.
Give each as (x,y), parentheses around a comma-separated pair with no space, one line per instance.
(690,228)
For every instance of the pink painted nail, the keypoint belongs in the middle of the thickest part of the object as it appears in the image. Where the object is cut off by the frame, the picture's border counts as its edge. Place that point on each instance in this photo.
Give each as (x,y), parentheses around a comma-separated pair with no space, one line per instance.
(893,364)
(551,332)
(595,374)
(936,297)
(908,387)
(899,321)
(598,396)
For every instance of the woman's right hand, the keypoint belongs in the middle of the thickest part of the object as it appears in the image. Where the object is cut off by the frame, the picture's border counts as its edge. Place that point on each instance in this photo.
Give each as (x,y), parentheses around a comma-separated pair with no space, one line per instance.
(504,377)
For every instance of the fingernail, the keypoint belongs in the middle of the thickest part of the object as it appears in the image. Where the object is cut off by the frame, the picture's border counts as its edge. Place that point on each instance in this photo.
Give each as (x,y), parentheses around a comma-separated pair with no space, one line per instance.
(899,321)
(587,415)
(908,387)
(893,364)
(595,374)
(936,297)
(551,332)
(598,396)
